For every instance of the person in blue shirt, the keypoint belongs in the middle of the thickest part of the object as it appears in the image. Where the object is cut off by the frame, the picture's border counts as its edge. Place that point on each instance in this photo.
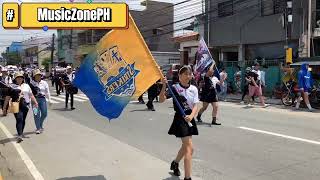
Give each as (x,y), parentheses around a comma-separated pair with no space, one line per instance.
(305,82)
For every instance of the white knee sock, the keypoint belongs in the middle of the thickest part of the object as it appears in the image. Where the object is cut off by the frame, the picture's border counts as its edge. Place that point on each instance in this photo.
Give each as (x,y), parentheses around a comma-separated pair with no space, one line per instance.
(297,105)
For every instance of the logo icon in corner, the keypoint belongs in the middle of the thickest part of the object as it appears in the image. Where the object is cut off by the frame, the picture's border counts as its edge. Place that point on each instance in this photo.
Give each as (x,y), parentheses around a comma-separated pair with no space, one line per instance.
(115,74)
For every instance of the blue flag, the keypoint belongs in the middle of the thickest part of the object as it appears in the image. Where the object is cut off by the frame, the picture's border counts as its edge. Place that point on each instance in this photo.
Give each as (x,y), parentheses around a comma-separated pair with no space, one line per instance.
(204,61)
(120,69)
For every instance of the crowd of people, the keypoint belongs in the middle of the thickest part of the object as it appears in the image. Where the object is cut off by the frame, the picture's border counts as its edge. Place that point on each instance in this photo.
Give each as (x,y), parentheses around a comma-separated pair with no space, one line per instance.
(27,89)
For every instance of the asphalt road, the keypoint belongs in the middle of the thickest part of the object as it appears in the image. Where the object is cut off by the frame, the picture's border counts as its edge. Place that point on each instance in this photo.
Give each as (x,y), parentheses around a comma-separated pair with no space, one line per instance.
(252,143)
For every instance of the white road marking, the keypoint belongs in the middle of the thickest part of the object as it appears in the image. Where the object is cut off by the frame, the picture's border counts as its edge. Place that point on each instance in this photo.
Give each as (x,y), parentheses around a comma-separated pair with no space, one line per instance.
(52,101)
(26,159)
(81,97)
(76,99)
(281,135)
(57,98)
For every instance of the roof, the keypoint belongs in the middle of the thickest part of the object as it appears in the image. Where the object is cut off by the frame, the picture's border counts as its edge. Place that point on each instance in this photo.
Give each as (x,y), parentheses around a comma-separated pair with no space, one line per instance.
(186,37)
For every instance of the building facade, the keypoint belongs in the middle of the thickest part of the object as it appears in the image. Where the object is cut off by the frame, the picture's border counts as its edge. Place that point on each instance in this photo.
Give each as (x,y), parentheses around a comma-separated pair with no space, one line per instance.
(255,29)
(15,47)
(74,45)
(36,50)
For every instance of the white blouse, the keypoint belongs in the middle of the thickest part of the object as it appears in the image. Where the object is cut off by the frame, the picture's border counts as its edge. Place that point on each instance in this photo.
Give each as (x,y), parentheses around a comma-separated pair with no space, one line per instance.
(190,93)
(25,91)
(44,88)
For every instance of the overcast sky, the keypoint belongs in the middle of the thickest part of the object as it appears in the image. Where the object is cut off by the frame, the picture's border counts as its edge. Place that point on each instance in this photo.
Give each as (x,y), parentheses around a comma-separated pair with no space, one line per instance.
(7,36)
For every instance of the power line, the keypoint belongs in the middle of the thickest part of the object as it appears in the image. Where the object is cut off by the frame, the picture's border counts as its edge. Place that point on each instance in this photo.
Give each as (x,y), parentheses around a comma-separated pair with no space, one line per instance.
(162,11)
(209,20)
(202,14)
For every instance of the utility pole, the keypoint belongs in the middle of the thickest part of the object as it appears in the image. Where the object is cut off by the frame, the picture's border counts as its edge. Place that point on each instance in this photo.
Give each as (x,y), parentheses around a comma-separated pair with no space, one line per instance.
(309,28)
(288,20)
(52,51)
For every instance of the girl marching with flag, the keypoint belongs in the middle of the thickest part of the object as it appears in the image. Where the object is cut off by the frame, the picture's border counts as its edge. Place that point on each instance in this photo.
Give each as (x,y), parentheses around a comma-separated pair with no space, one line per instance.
(183,127)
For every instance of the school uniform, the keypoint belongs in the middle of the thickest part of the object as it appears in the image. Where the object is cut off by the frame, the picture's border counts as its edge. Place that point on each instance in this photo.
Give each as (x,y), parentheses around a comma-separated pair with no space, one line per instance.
(208,93)
(188,98)
(70,89)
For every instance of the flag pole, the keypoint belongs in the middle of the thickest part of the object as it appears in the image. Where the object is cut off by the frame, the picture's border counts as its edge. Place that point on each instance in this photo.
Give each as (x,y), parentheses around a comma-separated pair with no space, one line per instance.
(211,57)
(178,104)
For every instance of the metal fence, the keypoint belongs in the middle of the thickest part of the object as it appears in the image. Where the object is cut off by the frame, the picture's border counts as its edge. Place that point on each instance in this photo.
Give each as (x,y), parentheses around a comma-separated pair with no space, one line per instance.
(249,63)
(174,61)
(271,68)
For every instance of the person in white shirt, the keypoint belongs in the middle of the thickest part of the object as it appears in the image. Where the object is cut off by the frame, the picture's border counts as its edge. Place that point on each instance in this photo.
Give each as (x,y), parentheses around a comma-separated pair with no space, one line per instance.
(5,77)
(224,84)
(70,89)
(42,92)
(24,98)
(263,78)
(255,89)
(4,99)
(187,96)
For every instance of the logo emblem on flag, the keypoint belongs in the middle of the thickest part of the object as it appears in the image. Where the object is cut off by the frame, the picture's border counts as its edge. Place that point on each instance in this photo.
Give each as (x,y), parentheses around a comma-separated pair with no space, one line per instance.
(115,74)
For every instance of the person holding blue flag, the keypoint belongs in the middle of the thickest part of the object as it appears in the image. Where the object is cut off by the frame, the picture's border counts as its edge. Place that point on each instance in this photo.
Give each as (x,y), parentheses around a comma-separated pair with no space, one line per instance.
(183,126)
(209,96)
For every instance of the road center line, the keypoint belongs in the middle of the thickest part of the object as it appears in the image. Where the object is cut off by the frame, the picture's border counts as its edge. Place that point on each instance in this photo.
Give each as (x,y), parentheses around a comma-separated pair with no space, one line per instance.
(26,159)
(281,135)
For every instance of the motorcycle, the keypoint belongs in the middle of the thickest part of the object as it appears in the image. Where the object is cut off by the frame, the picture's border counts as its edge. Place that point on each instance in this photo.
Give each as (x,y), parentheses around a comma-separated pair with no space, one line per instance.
(291,94)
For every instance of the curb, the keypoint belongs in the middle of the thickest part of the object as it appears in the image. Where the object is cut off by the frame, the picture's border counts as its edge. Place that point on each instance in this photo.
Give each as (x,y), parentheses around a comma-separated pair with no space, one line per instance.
(238,100)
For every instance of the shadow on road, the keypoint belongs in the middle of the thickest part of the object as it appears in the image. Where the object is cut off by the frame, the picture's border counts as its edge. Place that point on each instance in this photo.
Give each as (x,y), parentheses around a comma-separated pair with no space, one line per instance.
(7,140)
(61,109)
(173,177)
(139,110)
(99,177)
(26,133)
(203,124)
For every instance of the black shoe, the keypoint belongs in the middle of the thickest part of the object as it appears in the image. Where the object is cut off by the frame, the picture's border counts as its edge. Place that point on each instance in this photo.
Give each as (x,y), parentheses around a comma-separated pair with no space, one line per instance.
(214,121)
(19,139)
(187,179)
(175,168)
(152,109)
(73,108)
(199,119)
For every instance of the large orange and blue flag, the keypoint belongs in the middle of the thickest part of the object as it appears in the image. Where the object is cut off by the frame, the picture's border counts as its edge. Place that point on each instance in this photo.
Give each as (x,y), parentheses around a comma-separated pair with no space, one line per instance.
(120,69)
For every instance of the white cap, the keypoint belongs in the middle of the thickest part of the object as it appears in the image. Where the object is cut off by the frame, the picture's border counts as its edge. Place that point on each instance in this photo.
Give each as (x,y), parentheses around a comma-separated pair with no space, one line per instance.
(69,67)
(4,69)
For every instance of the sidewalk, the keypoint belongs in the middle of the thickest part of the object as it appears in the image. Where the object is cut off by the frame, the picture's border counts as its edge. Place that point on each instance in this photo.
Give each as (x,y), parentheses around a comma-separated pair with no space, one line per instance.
(237,98)
(68,150)
(11,164)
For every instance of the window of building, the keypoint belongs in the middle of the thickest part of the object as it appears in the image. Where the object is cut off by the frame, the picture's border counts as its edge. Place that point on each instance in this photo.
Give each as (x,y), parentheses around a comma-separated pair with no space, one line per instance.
(270,7)
(225,8)
(85,37)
